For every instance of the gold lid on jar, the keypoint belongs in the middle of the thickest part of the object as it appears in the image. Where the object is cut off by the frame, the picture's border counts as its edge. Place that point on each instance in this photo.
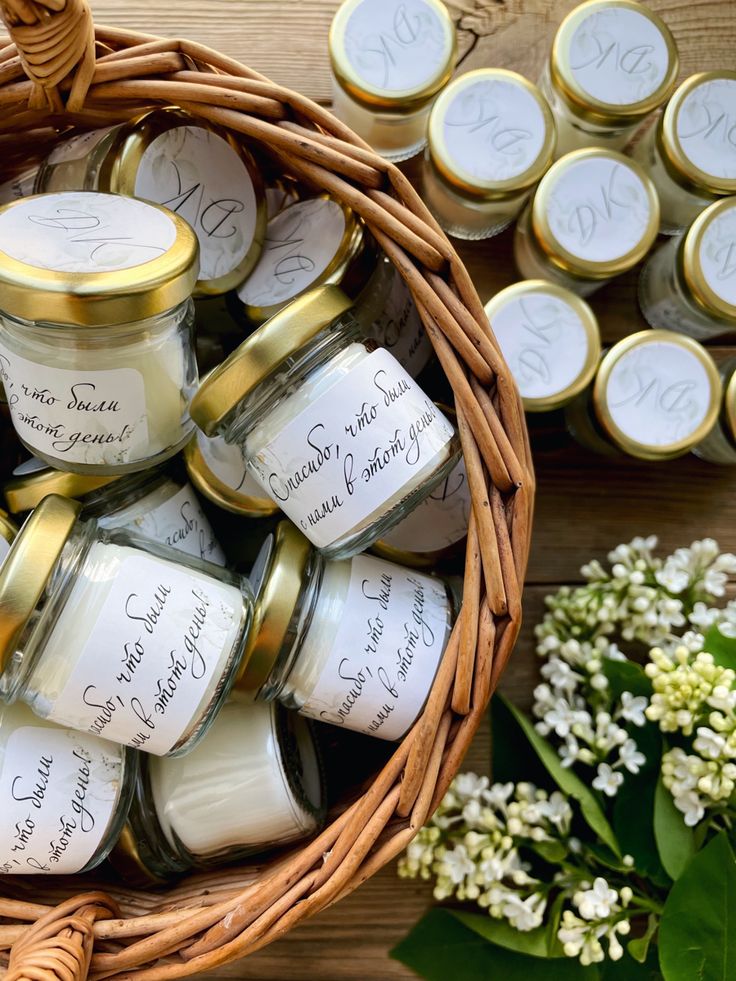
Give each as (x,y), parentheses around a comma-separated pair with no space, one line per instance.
(29,485)
(261,354)
(491,134)
(707,258)
(595,213)
(25,573)
(613,61)
(392,55)
(657,394)
(549,338)
(207,482)
(693,133)
(89,259)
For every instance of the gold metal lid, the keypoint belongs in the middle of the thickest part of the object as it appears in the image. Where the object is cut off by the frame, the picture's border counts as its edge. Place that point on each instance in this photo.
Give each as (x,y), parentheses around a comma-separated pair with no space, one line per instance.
(126,859)
(595,213)
(278,580)
(539,332)
(218,491)
(90,260)
(8,528)
(25,490)
(729,405)
(613,61)
(692,112)
(493,161)
(260,354)
(391,55)
(28,566)
(654,399)
(708,259)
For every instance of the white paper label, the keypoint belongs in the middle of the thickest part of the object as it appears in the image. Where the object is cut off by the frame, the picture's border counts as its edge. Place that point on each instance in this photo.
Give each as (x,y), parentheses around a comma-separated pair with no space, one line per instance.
(353,449)
(494,130)
(85,232)
(386,651)
(718,254)
(658,393)
(439,521)
(301,242)
(77,147)
(92,417)
(399,328)
(598,209)
(159,645)
(706,127)
(618,56)
(397,45)
(19,187)
(543,341)
(226,462)
(200,176)
(58,791)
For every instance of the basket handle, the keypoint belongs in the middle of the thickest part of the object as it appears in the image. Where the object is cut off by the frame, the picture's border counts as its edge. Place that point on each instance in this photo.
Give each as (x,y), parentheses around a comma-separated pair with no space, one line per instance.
(55,40)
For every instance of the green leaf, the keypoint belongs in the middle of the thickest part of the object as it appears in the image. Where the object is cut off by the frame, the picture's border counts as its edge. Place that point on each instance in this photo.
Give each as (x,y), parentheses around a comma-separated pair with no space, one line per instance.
(551,851)
(535,943)
(626,676)
(639,946)
(568,782)
(722,648)
(675,841)
(697,934)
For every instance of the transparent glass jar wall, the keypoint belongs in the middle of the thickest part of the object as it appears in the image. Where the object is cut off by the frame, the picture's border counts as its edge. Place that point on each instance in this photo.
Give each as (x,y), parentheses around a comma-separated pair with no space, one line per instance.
(219,471)
(612,63)
(690,153)
(389,60)
(689,284)
(259,763)
(8,531)
(334,429)
(491,137)
(355,643)
(96,349)
(593,216)
(719,446)
(82,608)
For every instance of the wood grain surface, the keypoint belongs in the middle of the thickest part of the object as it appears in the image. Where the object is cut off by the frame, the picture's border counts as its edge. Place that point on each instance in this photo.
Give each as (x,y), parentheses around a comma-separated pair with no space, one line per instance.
(586,504)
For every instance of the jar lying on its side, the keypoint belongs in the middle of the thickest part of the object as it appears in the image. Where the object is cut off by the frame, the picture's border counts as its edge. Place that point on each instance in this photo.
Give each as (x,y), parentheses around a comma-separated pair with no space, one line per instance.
(389,60)
(719,446)
(689,153)
(593,216)
(689,283)
(96,347)
(257,763)
(612,63)
(64,795)
(491,138)
(334,430)
(111,634)
(356,643)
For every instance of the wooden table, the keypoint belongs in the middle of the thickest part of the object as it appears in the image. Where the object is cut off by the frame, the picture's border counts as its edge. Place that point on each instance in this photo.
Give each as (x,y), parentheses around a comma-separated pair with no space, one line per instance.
(586,504)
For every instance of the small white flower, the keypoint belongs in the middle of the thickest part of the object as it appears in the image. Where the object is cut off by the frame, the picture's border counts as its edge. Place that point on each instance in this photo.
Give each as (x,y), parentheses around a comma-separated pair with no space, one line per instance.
(709,744)
(608,780)
(632,708)
(569,751)
(703,616)
(598,902)
(524,914)
(561,718)
(469,785)
(457,864)
(560,675)
(690,804)
(497,795)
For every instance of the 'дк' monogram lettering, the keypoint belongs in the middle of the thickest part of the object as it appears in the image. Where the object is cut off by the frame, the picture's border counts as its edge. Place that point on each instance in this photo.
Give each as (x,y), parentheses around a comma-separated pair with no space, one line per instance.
(84,228)
(717,125)
(209,219)
(389,44)
(586,217)
(668,399)
(503,138)
(630,61)
(726,256)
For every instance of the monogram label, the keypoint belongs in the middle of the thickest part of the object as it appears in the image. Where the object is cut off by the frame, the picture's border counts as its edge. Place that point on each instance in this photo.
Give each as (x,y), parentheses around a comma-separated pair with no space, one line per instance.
(706,127)
(718,254)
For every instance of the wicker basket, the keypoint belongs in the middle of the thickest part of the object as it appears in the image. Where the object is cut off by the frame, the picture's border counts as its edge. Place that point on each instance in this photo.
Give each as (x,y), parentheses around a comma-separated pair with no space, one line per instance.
(59,71)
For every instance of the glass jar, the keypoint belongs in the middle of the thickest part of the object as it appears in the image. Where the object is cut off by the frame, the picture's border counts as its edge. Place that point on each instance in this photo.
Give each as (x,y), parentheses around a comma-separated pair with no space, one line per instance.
(112,634)
(550,340)
(657,394)
(65,795)
(218,470)
(612,63)
(258,764)
(96,347)
(593,216)
(689,284)
(690,153)
(389,60)
(18,187)
(491,138)
(719,446)
(168,157)
(332,428)
(355,643)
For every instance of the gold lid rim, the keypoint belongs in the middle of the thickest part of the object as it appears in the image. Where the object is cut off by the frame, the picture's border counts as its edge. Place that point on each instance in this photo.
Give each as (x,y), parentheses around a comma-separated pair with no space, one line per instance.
(25,492)
(208,483)
(729,404)
(8,528)
(691,265)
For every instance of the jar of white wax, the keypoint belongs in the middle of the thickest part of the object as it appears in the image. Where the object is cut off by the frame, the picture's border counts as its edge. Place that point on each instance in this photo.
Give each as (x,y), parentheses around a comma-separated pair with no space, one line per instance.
(550,340)
(690,153)
(114,635)
(253,783)
(593,216)
(689,284)
(332,427)
(355,643)
(193,168)
(612,63)
(491,138)
(389,60)
(719,446)
(96,346)
(657,394)
(218,470)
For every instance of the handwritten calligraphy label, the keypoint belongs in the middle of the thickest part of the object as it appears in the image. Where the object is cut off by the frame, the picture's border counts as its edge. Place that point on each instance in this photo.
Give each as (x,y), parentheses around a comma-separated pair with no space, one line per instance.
(706,127)
(440,520)
(400,330)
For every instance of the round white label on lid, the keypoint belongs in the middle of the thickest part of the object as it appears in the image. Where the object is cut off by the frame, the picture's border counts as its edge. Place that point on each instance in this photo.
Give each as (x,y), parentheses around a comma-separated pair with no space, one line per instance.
(85,232)
(618,56)
(706,127)
(718,255)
